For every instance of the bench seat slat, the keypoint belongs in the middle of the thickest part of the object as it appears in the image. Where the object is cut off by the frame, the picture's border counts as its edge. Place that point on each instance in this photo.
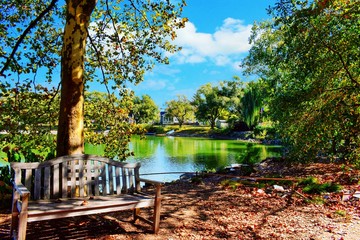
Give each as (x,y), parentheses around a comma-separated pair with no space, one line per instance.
(46,210)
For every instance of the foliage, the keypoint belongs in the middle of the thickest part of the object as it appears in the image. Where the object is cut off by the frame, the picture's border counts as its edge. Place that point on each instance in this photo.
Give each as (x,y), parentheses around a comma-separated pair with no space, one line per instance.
(145,110)
(250,155)
(181,109)
(309,56)
(109,124)
(321,188)
(265,132)
(5,187)
(312,186)
(212,101)
(28,117)
(125,38)
(252,103)
(155,129)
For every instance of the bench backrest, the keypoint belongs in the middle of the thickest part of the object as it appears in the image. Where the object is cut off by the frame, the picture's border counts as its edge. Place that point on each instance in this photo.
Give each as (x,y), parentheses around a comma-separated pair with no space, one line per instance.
(77,176)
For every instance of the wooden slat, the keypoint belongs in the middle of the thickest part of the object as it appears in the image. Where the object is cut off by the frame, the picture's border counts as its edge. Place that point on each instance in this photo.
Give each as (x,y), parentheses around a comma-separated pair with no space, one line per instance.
(117,177)
(56,181)
(104,178)
(137,179)
(131,180)
(17,175)
(64,179)
(72,179)
(111,180)
(62,159)
(82,182)
(96,179)
(124,181)
(47,183)
(72,208)
(28,178)
(37,184)
(89,167)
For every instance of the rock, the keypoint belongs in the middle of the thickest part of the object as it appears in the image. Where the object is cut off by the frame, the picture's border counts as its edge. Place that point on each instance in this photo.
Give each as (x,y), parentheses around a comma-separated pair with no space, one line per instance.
(260,191)
(278,188)
(357,194)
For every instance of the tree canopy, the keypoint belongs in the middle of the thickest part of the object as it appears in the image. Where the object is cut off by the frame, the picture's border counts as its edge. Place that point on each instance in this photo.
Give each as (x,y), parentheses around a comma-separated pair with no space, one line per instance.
(145,110)
(112,42)
(181,109)
(211,101)
(309,56)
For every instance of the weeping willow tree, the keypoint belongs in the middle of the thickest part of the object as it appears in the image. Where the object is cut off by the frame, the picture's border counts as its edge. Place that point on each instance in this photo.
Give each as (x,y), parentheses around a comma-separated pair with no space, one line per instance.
(252,104)
(68,44)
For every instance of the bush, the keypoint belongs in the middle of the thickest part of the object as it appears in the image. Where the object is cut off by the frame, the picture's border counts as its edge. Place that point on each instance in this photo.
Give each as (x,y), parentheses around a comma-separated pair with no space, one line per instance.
(263,132)
(312,186)
(5,187)
(155,129)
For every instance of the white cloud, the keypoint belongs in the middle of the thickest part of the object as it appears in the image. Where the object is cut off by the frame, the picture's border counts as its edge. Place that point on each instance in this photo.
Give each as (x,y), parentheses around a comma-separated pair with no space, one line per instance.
(237,66)
(152,85)
(163,70)
(228,41)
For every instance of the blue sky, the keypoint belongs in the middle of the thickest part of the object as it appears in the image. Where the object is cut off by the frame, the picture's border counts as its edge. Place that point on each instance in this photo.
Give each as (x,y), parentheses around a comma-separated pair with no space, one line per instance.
(214,41)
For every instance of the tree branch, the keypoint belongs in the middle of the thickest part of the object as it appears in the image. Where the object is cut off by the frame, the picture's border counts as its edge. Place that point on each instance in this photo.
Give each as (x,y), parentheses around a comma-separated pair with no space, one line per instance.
(101,67)
(23,35)
(344,64)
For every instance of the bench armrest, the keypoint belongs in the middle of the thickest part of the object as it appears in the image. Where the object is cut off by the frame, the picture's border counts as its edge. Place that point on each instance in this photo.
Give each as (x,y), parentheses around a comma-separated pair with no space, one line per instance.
(21,189)
(153,182)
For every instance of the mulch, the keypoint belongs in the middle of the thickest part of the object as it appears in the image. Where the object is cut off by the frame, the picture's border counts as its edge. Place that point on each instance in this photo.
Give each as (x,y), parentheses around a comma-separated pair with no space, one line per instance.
(210,209)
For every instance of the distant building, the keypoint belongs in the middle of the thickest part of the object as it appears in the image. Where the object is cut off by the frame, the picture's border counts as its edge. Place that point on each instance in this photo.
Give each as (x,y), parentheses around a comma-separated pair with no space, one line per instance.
(167,120)
(222,124)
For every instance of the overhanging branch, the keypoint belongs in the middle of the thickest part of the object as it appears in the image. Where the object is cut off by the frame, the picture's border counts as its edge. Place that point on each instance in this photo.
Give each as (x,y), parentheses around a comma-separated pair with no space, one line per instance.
(32,24)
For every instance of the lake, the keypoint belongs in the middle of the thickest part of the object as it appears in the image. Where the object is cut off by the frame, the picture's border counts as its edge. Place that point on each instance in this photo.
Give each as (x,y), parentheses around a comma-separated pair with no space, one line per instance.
(186,154)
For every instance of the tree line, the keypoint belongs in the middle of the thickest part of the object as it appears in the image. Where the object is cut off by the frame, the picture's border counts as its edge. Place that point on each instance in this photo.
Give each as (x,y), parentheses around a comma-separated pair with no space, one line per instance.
(306,57)
(233,101)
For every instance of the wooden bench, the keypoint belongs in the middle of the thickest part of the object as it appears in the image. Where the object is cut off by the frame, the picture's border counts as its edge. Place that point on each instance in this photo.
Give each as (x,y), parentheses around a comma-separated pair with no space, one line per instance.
(78,185)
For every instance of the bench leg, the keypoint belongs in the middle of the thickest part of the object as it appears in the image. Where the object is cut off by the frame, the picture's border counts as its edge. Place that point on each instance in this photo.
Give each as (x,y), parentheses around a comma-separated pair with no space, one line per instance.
(157,207)
(14,215)
(22,225)
(136,214)
(23,216)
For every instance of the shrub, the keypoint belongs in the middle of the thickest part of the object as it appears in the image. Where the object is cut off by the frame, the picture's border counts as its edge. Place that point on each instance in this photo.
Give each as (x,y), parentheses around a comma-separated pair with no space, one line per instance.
(312,186)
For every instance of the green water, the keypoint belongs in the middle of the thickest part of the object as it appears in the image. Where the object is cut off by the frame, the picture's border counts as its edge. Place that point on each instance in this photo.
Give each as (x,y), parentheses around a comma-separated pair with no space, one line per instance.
(176,154)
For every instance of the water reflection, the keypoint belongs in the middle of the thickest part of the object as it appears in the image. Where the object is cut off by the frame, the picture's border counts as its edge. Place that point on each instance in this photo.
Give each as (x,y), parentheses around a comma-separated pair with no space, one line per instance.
(176,154)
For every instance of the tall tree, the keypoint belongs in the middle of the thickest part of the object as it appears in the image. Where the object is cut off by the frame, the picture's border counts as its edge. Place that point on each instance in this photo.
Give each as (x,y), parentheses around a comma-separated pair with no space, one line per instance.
(309,55)
(145,110)
(211,101)
(106,41)
(181,109)
(70,137)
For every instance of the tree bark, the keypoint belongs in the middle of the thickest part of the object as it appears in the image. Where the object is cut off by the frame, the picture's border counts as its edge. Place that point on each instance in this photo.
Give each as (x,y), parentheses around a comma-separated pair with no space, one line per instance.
(70,137)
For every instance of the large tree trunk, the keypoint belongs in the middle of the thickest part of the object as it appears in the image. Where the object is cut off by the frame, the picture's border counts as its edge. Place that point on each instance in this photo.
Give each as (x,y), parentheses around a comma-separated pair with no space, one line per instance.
(70,137)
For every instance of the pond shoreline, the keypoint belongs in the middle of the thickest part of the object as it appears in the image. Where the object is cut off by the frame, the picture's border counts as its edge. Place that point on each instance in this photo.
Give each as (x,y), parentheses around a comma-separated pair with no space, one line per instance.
(240,136)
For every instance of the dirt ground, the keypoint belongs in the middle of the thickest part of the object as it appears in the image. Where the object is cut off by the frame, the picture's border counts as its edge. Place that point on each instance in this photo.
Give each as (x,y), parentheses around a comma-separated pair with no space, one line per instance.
(207,209)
